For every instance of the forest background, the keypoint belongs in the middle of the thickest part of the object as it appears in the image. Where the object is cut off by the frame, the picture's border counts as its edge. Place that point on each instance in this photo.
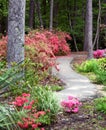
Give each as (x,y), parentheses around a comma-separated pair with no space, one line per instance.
(68,16)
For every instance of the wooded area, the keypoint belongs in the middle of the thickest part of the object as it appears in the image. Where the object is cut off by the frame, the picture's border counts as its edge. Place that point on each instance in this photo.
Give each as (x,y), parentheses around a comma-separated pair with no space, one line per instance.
(42,44)
(84,20)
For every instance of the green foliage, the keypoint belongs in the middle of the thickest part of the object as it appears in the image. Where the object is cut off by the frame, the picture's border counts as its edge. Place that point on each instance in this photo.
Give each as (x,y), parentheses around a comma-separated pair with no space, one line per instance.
(100,104)
(101,72)
(102,64)
(97,67)
(3,8)
(56,87)
(10,77)
(44,119)
(88,66)
(101,76)
(9,117)
(45,100)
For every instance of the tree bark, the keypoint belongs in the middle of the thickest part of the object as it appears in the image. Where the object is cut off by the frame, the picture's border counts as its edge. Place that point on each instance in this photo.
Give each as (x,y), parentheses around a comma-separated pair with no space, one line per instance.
(96,40)
(31,13)
(55,13)
(16,25)
(88,30)
(39,13)
(51,15)
(105,14)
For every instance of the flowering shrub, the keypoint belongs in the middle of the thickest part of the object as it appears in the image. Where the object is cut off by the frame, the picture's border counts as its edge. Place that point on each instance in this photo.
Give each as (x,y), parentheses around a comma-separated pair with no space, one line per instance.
(34,119)
(71,105)
(42,46)
(39,51)
(99,53)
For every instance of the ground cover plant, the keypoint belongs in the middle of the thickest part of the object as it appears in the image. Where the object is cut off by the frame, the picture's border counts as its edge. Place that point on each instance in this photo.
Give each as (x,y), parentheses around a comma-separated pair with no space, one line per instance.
(100,104)
(96,67)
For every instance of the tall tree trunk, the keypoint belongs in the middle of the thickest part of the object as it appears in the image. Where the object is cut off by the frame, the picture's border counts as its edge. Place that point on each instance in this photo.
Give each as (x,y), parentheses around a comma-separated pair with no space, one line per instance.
(70,24)
(51,15)
(16,25)
(44,4)
(88,30)
(55,13)
(105,14)
(31,13)
(96,40)
(39,13)
(74,13)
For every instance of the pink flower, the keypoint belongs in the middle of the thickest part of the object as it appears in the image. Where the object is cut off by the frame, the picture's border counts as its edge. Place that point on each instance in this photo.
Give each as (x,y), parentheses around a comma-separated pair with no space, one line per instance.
(75,110)
(98,53)
(71,105)
(70,97)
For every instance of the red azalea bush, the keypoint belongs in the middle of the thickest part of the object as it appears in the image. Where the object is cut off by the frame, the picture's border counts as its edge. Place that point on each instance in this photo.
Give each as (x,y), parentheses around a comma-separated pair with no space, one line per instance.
(34,119)
(99,53)
(42,46)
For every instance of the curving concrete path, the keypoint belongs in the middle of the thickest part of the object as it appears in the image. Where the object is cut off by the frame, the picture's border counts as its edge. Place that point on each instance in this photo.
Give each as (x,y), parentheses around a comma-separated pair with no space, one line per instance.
(75,84)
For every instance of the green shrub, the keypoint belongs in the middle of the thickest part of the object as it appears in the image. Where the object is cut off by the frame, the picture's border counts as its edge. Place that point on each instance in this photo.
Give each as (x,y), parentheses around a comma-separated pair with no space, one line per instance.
(101,71)
(10,77)
(100,104)
(46,100)
(101,76)
(88,66)
(96,67)
(102,64)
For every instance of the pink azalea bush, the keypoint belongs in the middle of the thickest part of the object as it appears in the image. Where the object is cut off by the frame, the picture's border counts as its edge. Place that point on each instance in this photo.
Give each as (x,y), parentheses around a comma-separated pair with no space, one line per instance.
(42,47)
(71,105)
(99,53)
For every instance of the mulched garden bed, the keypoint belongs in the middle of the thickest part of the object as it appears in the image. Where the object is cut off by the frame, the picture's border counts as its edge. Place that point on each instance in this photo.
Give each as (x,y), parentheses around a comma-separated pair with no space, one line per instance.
(86,119)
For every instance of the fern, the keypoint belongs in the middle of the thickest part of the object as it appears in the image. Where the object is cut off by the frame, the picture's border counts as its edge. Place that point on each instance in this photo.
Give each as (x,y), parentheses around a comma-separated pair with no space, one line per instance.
(10,77)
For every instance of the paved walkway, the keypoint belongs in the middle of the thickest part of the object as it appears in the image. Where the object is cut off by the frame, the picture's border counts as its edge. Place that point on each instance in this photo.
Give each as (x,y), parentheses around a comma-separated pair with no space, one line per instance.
(75,84)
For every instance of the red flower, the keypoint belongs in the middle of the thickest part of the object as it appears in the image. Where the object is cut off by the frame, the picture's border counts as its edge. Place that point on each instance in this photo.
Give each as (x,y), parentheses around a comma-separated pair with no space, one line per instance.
(34,126)
(32,102)
(28,107)
(26,95)
(41,113)
(23,125)
(19,101)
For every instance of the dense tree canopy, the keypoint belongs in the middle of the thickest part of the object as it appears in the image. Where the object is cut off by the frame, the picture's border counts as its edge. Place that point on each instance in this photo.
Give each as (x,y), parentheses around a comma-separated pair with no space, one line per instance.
(68,15)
